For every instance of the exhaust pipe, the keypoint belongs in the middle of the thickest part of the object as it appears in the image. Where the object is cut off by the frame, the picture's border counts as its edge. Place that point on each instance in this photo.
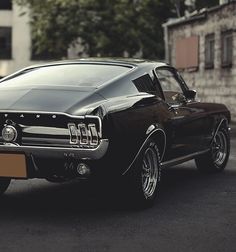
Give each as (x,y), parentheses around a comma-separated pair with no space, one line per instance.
(83,169)
(80,169)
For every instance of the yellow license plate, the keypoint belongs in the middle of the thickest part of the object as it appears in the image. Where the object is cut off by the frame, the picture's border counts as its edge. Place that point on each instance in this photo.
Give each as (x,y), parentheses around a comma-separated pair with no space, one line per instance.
(13,165)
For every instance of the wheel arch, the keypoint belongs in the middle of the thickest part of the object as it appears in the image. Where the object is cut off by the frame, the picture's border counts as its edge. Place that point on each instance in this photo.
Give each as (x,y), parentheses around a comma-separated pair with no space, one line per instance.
(215,160)
(223,122)
(156,132)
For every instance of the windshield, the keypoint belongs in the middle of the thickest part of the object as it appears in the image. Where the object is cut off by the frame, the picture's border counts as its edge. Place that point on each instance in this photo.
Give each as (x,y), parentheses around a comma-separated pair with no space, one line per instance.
(83,75)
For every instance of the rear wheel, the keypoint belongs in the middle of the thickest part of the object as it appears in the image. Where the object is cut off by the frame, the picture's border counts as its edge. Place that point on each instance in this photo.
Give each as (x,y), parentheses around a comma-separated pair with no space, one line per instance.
(216,159)
(4,183)
(143,182)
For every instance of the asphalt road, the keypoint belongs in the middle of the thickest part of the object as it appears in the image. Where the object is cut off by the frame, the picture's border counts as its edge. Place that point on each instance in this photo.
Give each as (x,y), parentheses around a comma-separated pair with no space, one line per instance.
(194,212)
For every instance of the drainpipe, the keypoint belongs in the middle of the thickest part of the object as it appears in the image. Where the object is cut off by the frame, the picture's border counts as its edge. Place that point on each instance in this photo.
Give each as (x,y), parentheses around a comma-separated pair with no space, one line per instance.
(166,42)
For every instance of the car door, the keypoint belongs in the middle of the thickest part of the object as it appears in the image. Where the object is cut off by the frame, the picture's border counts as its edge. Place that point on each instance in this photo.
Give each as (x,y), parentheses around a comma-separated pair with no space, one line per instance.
(188,127)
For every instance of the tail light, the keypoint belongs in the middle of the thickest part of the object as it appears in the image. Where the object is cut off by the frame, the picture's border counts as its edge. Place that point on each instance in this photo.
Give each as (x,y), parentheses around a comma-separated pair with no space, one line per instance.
(83,134)
(73,133)
(94,134)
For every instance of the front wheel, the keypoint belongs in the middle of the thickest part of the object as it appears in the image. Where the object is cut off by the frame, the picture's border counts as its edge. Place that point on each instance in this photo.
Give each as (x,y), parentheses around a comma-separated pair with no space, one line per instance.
(216,159)
(143,182)
(4,183)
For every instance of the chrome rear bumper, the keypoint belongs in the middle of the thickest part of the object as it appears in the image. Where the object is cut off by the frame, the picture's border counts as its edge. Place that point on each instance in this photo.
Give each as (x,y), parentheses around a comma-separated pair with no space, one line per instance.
(57,152)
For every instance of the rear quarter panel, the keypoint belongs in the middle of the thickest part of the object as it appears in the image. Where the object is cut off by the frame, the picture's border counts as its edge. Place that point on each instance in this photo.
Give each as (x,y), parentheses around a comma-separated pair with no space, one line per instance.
(126,130)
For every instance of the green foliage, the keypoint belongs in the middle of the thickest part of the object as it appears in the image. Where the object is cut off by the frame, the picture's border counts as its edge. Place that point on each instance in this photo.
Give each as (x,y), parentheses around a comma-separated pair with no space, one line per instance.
(53,24)
(105,27)
(206,4)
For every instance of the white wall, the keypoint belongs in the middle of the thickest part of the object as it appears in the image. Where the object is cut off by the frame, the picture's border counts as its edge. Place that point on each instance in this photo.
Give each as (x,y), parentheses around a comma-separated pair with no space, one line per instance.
(21,41)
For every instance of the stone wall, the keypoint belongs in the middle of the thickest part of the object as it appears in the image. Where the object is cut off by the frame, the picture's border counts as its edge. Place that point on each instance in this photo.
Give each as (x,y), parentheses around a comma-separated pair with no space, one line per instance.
(217,84)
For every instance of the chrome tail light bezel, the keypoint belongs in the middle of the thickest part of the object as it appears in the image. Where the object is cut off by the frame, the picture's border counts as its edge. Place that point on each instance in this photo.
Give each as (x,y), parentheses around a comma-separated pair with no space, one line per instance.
(85,133)
(73,133)
(94,134)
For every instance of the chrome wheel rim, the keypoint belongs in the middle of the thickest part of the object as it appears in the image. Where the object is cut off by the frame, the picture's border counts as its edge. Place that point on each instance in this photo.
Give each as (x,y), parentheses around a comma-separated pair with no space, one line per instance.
(150,171)
(219,148)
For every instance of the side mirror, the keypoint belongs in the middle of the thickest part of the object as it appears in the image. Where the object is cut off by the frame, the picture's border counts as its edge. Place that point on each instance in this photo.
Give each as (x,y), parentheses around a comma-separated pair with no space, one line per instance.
(190,94)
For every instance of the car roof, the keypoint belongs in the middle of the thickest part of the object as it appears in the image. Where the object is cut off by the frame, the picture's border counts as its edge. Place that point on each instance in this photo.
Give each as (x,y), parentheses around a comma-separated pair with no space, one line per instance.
(134,64)
(128,62)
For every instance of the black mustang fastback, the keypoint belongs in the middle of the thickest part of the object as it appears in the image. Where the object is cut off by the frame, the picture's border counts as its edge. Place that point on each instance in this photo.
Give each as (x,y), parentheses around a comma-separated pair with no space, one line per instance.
(102,118)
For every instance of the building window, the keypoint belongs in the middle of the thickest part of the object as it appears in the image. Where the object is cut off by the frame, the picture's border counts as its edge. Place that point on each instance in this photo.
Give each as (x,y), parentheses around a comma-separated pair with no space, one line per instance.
(187,50)
(5,43)
(227,49)
(5,4)
(209,50)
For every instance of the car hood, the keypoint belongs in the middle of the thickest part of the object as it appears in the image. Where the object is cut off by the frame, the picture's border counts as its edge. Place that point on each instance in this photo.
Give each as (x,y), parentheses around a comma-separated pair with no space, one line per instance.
(48,99)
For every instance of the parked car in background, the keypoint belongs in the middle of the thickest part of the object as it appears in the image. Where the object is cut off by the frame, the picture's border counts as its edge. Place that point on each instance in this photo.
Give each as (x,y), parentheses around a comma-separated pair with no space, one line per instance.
(117,120)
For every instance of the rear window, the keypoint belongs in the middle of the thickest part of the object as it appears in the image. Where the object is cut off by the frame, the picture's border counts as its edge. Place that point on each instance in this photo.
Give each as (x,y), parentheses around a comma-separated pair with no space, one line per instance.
(83,75)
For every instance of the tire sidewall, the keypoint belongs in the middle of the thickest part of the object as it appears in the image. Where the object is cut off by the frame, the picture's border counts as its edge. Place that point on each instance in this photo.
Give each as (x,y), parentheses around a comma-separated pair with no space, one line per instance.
(135,177)
(206,162)
(222,166)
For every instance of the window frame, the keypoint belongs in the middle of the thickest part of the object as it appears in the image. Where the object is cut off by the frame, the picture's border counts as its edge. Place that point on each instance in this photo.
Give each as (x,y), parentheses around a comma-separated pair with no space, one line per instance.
(209,62)
(7,52)
(228,62)
(147,78)
(177,77)
(5,4)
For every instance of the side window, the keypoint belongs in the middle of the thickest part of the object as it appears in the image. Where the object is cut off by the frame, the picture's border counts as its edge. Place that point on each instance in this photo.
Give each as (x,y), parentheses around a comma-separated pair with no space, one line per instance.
(170,85)
(145,84)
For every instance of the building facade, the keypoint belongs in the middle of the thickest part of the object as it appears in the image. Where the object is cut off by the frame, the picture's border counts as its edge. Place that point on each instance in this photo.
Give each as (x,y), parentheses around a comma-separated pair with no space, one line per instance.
(15,39)
(203,47)
(16,46)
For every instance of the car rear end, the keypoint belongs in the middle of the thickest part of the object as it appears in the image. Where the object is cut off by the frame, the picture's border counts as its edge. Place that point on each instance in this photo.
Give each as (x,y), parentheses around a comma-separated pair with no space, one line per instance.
(49,145)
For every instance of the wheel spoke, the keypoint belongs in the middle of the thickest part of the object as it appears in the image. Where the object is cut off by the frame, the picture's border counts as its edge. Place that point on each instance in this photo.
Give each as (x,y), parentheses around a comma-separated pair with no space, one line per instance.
(150,171)
(219,148)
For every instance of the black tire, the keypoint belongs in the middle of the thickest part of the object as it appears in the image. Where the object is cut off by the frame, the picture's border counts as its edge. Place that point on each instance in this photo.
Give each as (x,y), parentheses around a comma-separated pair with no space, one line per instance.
(144,179)
(4,183)
(216,159)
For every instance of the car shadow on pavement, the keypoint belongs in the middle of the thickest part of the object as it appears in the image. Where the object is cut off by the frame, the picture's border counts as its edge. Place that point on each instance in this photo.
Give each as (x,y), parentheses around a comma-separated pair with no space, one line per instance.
(180,185)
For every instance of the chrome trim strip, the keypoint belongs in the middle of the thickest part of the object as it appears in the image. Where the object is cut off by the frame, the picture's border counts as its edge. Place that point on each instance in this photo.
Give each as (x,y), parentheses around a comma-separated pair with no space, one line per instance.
(54,114)
(150,129)
(47,112)
(159,129)
(55,152)
(218,127)
(183,159)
